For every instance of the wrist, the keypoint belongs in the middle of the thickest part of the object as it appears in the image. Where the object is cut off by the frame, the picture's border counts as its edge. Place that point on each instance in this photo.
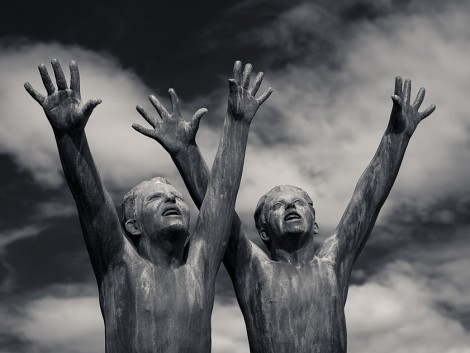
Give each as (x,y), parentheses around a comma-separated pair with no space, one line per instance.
(401,133)
(185,151)
(238,119)
(60,133)
(399,127)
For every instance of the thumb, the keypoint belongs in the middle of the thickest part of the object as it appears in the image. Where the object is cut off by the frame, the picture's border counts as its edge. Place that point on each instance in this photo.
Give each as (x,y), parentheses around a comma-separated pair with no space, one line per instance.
(397,104)
(233,86)
(90,106)
(397,101)
(196,119)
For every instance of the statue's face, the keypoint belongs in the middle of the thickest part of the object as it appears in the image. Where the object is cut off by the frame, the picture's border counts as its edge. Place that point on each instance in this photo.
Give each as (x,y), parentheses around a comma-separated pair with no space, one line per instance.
(288,214)
(161,211)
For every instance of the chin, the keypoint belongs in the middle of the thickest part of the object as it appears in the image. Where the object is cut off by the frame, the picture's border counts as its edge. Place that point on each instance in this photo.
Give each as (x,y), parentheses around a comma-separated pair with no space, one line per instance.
(177,226)
(172,227)
(295,229)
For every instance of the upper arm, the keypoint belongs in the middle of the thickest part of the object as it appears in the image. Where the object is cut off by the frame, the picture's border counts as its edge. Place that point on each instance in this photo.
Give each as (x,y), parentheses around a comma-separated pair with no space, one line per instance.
(216,213)
(240,250)
(99,220)
(103,235)
(347,241)
(196,173)
(368,197)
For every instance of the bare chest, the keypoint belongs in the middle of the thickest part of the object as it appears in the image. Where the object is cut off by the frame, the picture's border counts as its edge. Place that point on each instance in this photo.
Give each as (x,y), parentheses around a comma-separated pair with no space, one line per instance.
(295,309)
(152,308)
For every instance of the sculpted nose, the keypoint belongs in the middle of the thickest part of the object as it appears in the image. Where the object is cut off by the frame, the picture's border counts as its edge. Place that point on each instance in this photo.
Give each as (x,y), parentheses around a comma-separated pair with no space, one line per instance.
(171,198)
(290,205)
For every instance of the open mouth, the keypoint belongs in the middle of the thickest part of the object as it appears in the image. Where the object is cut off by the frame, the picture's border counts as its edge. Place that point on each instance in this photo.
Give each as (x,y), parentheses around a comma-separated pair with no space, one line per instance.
(292,216)
(172,211)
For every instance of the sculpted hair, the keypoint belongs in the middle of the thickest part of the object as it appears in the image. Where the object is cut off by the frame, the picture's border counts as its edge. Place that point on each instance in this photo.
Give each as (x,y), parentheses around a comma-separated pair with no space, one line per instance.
(259,214)
(128,203)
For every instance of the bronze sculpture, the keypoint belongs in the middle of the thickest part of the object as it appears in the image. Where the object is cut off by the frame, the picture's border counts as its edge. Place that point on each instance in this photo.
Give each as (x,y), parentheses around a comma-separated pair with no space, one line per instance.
(156,288)
(293,300)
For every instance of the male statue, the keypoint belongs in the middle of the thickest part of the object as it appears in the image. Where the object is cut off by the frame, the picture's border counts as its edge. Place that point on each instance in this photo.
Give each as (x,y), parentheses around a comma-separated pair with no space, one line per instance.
(293,301)
(156,286)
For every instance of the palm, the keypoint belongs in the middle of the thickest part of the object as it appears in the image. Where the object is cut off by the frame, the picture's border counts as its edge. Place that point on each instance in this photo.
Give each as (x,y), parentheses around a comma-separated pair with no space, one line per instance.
(405,117)
(63,107)
(172,131)
(242,103)
(64,110)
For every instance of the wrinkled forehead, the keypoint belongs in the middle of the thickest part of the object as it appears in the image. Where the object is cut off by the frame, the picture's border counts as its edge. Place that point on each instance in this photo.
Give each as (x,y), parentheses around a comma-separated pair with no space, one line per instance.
(287,193)
(153,187)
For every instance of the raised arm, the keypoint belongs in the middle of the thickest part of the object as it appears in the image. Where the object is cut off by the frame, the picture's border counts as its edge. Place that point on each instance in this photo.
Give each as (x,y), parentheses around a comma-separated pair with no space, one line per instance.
(372,189)
(68,117)
(178,137)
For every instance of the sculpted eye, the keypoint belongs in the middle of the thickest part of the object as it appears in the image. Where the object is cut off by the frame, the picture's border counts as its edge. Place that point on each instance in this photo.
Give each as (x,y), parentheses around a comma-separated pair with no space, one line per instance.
(299,203)
(276,206)
(155,197)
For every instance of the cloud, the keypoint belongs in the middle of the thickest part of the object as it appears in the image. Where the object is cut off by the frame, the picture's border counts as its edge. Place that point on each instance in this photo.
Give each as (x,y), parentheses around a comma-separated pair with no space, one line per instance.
(8,237)
(397,312)
(65,324)
(319,130)
(51,209)
(228,329)
(58,321)
(325,122)
(122,155)
(67,318)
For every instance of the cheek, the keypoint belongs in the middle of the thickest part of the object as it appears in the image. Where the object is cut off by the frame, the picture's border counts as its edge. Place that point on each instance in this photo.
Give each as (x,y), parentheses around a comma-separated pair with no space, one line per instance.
(275,220)
(184,210)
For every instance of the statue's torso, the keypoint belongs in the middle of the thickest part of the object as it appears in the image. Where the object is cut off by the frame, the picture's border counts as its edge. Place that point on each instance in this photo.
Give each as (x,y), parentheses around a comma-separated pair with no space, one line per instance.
(289,309)
(147,310)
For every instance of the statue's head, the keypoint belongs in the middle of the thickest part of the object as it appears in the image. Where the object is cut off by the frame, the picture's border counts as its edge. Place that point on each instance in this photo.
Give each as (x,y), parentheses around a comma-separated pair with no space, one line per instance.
(285,215)
(156,210)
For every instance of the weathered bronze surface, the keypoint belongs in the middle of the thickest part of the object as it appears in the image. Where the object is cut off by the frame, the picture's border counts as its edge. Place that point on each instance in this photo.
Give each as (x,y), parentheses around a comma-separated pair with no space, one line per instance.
(293,300)
(156,287)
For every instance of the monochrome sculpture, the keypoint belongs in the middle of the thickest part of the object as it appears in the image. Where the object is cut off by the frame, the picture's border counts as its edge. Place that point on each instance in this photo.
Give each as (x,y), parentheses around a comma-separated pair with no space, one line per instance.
(293,300)
(156,286)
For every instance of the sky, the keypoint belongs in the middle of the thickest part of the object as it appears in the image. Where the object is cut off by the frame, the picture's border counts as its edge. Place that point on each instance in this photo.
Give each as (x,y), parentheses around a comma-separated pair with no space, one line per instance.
(332,67)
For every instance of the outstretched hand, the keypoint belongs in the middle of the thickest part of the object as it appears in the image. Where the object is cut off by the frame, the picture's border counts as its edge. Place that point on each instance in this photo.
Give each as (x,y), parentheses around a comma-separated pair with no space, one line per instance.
(172,131)
(242,103)
(63,108)
(405,116)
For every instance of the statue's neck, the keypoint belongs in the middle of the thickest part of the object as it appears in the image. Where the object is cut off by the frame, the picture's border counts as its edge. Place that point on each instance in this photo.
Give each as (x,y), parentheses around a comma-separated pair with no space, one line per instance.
(162,252)
(298,251)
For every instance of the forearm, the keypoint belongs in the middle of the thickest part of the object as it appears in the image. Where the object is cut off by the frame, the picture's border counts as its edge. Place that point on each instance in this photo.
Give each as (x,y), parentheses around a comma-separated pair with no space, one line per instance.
(228,165)
(80,171)
(98,216)
(196,173)
(378,178)
(371,192)
(354,229)
(219,202)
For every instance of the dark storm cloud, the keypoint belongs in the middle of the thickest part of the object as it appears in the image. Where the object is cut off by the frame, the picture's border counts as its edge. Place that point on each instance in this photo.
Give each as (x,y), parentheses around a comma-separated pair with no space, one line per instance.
(18,196)
(435,242)
(56,255)
(159,40)
(409,226)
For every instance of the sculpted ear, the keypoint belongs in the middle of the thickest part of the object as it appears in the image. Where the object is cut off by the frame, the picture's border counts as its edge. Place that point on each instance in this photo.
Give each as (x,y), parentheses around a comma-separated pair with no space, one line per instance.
(132,227)
(315,228)
(264,236)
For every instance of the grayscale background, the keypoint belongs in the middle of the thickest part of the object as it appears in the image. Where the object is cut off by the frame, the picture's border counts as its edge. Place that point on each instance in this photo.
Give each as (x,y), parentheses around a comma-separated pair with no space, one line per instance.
(332,66)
